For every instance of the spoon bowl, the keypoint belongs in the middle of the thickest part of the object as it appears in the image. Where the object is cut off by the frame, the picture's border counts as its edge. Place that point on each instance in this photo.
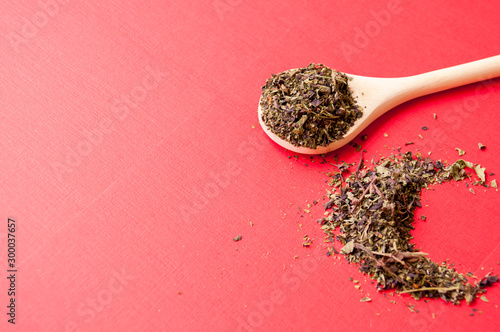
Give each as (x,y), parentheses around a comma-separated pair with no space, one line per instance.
(378,95)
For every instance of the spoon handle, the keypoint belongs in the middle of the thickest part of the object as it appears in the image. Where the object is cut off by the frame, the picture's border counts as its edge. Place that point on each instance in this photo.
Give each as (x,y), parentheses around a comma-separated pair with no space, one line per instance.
(447,78)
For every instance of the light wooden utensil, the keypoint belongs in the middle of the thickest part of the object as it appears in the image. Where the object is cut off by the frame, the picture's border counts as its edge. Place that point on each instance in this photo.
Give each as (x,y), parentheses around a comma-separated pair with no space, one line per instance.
(378,95)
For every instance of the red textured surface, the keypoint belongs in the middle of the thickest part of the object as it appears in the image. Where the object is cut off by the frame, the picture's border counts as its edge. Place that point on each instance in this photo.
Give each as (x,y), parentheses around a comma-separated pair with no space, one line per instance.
(131,156)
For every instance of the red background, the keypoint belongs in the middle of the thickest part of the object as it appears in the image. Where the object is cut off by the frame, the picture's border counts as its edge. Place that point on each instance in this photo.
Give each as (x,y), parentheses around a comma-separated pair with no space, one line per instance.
(126,199)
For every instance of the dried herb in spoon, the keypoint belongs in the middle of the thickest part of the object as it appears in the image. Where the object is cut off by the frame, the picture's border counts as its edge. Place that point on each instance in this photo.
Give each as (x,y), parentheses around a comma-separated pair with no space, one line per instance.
(310,106)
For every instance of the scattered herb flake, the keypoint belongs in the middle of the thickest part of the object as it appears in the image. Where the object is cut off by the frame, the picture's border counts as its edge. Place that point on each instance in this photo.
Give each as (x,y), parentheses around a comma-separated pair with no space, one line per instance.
(480,171)
(460,151)
(307,241)
(237,238)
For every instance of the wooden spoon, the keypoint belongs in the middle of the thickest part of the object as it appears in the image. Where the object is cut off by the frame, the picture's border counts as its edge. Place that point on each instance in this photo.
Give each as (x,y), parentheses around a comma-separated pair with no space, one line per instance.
(378,95)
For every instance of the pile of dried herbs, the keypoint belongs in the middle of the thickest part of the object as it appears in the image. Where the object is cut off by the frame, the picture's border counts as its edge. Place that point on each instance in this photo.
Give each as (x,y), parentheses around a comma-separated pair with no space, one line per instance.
(374,209)
(310,106)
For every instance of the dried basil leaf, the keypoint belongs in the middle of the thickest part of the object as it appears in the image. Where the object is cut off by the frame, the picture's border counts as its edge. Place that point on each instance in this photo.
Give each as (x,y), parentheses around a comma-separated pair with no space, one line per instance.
(480,172)
(348,248)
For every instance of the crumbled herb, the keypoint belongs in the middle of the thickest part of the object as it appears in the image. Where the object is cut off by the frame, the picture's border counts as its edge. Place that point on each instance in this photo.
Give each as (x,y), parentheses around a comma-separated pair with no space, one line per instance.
(481,147)
(237,238)
(493,184)
(484,298)
(365,299)
(374,208)
(409,143)
(310,106)
(435,116)
(480,171)
(307,241)
(424,128)
(460,151)
(364,137)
